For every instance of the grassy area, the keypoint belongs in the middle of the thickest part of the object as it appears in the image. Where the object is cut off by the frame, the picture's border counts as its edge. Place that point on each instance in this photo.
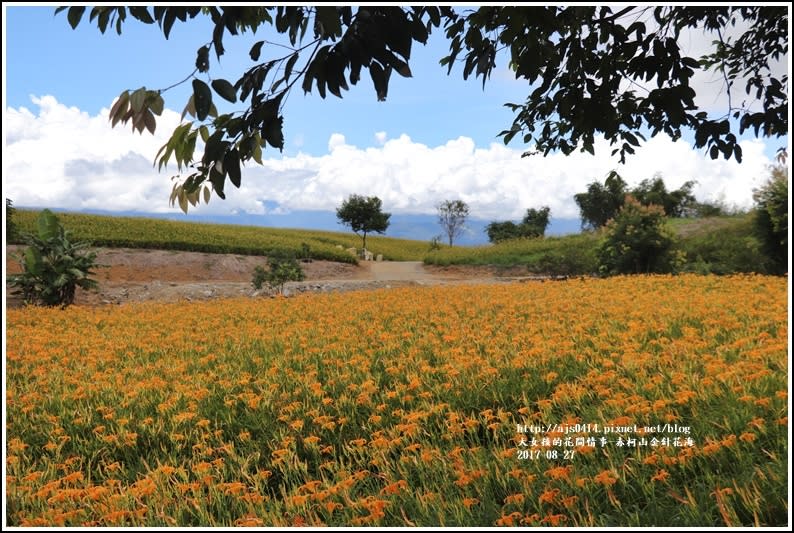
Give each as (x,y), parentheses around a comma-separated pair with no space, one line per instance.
(570,254)
(402,408)
(134,232)
(718,245)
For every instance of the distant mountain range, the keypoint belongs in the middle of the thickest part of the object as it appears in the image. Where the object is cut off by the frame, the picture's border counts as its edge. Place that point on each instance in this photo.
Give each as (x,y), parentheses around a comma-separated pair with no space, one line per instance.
(403,226)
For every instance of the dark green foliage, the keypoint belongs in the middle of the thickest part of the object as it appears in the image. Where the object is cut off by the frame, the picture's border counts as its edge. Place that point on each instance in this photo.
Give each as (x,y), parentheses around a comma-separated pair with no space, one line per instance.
(535,222)
(363,215)
(12,232)
(577,62)
(601,202)
(452,215)
(636,241)
(502,231)
(260,276)
(771,218)
(53,265)
(282,268)
(675,203)
(532,226)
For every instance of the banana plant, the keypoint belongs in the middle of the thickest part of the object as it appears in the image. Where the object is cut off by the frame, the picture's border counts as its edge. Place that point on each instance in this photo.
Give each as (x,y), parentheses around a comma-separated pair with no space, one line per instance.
(53,265)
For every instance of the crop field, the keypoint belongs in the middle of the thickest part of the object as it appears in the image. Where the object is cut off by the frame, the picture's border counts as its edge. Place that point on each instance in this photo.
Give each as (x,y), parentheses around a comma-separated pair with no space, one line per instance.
(650,400)
(133,232)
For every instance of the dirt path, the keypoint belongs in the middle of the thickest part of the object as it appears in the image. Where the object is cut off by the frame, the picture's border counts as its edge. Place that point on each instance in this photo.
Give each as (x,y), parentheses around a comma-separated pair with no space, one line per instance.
(400,271)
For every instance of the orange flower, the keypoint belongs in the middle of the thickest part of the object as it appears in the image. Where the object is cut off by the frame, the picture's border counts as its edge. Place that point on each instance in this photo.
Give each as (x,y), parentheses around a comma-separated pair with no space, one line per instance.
(549,496)
(469,502)
(559,472)
(747,437)
(518,499)
(661,475)
(605,478)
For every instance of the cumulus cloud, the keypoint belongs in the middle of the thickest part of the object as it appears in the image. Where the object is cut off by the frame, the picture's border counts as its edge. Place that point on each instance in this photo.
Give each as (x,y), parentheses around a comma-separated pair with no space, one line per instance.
(380,137)
(62,157)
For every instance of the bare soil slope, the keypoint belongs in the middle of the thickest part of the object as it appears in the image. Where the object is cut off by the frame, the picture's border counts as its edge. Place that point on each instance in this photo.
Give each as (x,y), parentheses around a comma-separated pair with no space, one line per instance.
(130,275)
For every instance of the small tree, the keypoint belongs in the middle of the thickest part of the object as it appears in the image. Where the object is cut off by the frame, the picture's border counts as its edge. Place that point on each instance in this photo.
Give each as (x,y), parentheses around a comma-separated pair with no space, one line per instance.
(535,222)
(771,217)
(675,203)
(363,215)
(637,241)
(12,234)
(502,231)
(283,268)
(532,226)
(53,265)
(601,202)
(452,216)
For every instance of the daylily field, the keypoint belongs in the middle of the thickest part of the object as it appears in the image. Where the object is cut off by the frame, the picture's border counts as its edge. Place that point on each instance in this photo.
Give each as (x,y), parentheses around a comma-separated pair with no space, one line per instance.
(403,407)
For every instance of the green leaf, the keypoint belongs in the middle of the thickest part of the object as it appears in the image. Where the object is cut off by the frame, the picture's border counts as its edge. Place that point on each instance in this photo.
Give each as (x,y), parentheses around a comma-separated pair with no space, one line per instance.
(225,90)
(142,14)
(149,122)
(190,108)
(380,79)
(74,15)
(33,260)
(157,103)
(256,50)
(182,199)
(137,99)
(119,109)
(257,155)
(203,59)
(202,97)
(274,134)
(231,162)
(47,225)
(205,133)
(206,194)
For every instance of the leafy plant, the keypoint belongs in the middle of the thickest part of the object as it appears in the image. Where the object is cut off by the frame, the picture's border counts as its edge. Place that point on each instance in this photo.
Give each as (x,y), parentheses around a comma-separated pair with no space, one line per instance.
(12,232)
(54,266)
(637,241)
(282,269)
(771,217)
(532,226)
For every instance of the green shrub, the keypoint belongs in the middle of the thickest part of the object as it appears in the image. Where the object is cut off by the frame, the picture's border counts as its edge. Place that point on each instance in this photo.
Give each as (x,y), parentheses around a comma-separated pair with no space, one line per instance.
(636,241)
(563,260)
(771,218)
(12,233)
(53,265)
(282,268)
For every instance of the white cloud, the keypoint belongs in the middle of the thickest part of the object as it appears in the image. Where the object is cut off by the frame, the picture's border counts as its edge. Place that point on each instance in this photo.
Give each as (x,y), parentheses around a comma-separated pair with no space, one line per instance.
(62,157)
(380,137)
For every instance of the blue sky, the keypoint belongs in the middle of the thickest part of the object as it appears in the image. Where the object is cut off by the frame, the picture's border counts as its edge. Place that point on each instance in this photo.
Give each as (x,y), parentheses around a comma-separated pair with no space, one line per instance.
(434,138)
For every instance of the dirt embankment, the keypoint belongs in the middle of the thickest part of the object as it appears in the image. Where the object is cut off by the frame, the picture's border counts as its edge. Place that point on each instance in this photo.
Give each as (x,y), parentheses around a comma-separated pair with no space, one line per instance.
(133,275)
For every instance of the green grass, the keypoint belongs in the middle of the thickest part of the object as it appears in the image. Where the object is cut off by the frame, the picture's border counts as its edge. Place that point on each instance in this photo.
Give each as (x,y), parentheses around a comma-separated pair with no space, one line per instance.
(569,255)
(135,232)
(716,245)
